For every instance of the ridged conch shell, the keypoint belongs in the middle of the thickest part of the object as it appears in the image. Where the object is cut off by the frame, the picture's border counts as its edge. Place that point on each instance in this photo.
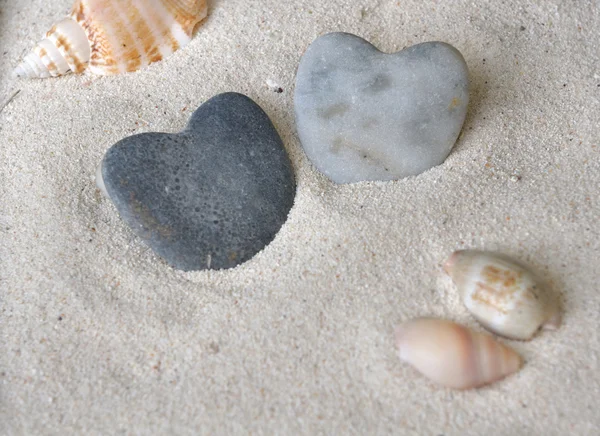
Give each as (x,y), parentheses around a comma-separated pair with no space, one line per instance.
(504,296)
(453,355)
(113,36)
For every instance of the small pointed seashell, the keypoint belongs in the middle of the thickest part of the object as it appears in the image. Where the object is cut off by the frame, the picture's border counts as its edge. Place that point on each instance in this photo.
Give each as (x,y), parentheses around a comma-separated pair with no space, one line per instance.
(502,295)
(453,355)
(113,36)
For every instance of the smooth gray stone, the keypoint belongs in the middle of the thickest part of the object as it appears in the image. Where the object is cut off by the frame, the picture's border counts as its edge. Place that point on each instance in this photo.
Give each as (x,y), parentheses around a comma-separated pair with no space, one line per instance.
(209,197)
(365,115)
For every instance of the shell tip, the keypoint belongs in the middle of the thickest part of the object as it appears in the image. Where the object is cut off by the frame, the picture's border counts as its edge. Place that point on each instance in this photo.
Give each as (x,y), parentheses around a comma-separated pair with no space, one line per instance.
(24,71)
(399,336)
(17,73)
(450,262)
(554,322)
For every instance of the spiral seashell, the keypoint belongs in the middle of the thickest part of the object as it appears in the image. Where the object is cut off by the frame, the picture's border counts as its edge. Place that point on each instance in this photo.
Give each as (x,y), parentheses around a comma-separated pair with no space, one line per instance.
(453,355)
(113,36)
(502,295)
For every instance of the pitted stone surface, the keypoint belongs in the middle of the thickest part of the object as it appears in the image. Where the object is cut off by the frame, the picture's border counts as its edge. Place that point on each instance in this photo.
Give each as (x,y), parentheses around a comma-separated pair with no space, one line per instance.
(366,115)
(211,196)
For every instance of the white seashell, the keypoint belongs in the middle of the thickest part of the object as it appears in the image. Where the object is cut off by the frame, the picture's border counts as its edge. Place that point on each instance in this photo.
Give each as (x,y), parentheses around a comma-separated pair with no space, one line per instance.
(453,355)
(502,295)
(113,36)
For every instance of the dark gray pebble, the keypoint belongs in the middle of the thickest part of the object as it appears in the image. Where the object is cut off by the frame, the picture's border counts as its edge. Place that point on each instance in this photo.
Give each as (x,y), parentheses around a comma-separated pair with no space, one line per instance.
(209,197)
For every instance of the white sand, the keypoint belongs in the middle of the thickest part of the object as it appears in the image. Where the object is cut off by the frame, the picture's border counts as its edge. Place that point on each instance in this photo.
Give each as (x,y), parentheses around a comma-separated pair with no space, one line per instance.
(100,336)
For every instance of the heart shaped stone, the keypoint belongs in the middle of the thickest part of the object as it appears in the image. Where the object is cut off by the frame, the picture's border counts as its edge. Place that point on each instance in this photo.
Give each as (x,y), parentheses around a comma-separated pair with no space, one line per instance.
(209,197)
(366,115)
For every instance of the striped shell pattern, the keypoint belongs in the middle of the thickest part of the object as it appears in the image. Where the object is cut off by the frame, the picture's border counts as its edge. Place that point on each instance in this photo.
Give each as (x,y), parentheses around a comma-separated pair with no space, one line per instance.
(113,36)
(453,355)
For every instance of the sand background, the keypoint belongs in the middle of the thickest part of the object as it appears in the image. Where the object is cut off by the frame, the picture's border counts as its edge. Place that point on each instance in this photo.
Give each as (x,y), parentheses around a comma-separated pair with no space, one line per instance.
(99,336)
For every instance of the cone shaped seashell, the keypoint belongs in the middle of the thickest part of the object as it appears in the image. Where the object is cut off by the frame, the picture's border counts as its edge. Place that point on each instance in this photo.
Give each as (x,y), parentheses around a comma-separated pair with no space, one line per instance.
(113,36)
(504,296)
(453,355)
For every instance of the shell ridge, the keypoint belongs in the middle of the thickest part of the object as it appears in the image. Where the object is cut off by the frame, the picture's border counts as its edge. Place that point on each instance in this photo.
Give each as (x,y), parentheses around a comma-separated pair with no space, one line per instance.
(130,48)
(187,13)
(61,39)
(146,32)
(42,53)
(165,20)
(115,38)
